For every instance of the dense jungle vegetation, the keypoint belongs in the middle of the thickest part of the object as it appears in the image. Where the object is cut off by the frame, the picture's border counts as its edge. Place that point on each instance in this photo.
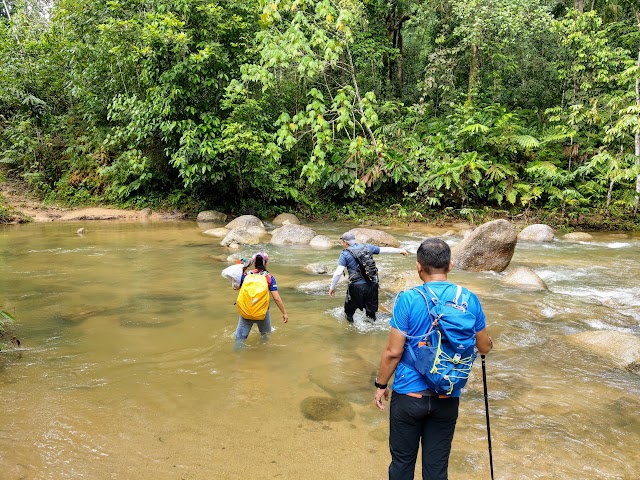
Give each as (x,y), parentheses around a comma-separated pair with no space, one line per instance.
(419,108)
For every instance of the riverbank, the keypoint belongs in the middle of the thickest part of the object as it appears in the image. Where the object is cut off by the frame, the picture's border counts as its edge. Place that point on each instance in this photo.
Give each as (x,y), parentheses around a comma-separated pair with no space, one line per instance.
(18,206)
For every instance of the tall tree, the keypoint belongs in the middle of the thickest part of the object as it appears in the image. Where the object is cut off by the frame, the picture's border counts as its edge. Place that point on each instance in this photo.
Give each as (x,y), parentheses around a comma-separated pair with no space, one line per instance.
(311,44)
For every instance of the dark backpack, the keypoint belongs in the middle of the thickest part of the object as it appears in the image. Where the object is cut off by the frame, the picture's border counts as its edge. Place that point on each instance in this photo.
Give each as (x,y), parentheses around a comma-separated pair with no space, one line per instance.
(447,351)
(367,264)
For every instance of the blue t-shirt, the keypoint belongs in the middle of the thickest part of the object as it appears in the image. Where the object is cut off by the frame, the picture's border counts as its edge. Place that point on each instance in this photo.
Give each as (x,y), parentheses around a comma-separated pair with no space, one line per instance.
(411,317)
(271,280)
(349,261)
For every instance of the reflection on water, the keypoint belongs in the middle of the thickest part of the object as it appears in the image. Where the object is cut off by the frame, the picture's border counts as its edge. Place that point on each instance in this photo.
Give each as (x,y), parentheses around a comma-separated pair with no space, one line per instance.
(127,369)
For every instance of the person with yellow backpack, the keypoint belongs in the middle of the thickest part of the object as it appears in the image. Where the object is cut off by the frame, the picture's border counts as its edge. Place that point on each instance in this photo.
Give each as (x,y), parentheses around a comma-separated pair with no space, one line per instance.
(253,300)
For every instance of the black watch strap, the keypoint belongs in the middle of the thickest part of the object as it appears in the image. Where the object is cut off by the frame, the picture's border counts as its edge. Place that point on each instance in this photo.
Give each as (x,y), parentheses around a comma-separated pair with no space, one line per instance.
(379,385)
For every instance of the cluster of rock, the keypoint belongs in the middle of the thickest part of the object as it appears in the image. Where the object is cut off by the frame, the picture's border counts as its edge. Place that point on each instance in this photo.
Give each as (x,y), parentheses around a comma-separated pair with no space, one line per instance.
(489,247)
(250,230)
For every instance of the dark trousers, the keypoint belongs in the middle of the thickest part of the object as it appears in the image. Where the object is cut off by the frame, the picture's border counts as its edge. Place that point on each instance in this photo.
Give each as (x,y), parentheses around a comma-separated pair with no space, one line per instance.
(430,419)
(362,296)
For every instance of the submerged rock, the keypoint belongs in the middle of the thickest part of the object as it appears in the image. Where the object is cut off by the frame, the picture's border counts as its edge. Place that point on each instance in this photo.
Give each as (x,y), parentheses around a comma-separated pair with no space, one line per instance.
(633,367)
(317,287)
(318,268)
(8,339)
(578,236)
(326,409)
(523,277)
(219,232)
(621,348)
(348,378)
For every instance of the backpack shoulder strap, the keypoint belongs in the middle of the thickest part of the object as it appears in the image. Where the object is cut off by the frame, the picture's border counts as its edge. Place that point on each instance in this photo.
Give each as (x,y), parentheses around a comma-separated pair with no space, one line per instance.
(351,250)
(460,300)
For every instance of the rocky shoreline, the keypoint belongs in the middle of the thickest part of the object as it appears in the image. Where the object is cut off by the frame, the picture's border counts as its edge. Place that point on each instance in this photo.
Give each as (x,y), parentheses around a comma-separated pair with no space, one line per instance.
(23,208)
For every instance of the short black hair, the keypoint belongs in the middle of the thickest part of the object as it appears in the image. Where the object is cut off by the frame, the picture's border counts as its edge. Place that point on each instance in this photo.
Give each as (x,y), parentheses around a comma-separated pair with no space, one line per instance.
(434,254)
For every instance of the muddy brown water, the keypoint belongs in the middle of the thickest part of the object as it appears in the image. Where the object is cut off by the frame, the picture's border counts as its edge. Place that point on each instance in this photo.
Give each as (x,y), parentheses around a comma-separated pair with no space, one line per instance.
(127,368)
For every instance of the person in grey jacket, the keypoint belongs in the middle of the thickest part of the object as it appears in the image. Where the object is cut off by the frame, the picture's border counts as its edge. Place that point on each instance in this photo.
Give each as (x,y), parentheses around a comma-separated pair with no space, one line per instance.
(362,293)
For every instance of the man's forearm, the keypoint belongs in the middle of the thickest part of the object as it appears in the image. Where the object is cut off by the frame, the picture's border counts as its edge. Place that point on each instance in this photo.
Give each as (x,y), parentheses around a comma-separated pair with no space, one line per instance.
(334,281)
(391,250)
(388,364)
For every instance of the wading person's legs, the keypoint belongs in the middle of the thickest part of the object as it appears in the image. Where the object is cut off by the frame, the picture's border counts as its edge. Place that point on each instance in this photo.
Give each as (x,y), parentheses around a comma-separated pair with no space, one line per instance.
(370,300)
(242,331)
(351,302)
(265,327)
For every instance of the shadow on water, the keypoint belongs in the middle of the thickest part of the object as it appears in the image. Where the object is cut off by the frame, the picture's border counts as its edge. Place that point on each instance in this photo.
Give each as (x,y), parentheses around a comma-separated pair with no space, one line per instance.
(127,368)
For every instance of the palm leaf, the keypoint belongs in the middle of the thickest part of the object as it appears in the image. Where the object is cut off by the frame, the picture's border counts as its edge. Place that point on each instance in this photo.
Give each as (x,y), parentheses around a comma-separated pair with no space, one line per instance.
(527,141)
(474,129)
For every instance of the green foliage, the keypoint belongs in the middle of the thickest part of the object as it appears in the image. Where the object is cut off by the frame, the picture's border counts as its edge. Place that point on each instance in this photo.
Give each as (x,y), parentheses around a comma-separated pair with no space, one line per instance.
(333,117)
(408,107)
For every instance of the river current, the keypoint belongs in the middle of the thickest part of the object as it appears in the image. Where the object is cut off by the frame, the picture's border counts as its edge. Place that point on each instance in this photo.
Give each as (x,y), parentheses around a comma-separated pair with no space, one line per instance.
(127,368)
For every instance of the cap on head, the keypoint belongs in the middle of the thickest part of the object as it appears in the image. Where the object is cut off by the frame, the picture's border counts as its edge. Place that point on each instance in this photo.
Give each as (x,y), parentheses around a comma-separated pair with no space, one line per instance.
(245,262)
(265,258)
(348,237)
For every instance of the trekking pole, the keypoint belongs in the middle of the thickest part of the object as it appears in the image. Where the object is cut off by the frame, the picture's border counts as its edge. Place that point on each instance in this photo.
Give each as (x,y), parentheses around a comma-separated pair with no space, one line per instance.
(486,409)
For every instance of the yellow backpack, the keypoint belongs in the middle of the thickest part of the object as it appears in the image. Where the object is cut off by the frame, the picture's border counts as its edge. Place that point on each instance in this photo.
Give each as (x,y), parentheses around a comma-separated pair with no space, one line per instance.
(253,298)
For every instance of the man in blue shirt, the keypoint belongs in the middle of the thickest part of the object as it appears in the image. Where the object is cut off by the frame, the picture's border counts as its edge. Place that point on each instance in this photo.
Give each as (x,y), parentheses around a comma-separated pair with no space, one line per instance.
(362,294)
(416,412)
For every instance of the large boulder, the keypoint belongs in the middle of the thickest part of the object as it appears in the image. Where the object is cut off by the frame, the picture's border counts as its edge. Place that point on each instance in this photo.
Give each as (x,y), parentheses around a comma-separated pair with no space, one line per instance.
(321,242)
(243,236)
(292,235)
(402,281)
(538,232)
(620,348)
(245,221)
(375,237)
(524,278)
(211,216)
(286,219)
(488,247)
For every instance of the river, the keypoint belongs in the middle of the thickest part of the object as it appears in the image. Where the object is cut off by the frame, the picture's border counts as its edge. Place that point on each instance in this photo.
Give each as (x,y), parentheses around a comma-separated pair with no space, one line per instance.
(127,368)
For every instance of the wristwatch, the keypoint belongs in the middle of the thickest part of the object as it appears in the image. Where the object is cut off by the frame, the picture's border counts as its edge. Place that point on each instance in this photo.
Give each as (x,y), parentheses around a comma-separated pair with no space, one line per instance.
(379,385)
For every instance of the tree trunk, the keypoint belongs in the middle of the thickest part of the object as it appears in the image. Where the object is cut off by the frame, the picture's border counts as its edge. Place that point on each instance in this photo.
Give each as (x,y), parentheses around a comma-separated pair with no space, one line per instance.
(635,207)
(6,9)
(395,21)
(609,196)
(473,73)
(579,4)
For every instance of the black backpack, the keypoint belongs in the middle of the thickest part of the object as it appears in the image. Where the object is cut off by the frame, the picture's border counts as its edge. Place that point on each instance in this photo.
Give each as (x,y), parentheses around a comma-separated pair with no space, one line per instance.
(367,264)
